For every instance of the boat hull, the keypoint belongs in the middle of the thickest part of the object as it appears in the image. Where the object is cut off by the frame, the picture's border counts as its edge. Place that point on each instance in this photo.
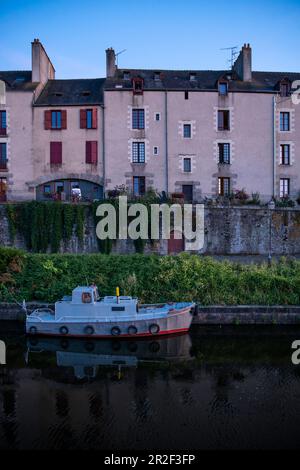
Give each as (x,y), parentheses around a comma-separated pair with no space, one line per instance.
(172,323)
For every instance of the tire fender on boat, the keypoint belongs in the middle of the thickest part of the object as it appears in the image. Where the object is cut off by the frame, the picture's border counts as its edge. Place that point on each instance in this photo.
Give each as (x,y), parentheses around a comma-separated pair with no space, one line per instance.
(115,331)
(89,330)
(132,330)
(154,329)
(64,330)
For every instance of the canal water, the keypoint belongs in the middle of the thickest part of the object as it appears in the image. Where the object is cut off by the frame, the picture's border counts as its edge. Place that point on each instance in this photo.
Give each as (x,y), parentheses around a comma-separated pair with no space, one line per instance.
(215,388)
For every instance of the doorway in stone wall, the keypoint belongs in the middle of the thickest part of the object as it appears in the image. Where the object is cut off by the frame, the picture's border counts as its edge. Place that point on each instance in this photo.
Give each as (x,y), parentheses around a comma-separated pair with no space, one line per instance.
(175,245)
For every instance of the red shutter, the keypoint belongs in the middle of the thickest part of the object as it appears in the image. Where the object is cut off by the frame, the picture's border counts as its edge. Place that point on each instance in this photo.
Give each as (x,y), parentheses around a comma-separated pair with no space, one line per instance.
(55,153)
(47,120)
(94,153)
(82,119)
(95,118)
(88,152)
(64,119)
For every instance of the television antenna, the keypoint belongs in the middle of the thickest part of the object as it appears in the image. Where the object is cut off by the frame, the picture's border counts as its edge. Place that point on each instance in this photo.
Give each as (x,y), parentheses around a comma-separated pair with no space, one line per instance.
(233,54)
(119,53)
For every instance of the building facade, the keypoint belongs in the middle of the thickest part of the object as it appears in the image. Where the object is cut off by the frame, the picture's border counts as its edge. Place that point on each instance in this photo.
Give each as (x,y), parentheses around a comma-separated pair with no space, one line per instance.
(200,133)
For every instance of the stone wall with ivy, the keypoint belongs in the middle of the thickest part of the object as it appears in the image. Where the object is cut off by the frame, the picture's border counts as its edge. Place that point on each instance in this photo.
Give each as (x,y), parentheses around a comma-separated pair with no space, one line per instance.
(53,227)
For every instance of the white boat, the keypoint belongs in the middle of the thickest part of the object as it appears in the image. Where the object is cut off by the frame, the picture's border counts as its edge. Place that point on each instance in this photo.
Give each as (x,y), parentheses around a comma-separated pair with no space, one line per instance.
(86,315)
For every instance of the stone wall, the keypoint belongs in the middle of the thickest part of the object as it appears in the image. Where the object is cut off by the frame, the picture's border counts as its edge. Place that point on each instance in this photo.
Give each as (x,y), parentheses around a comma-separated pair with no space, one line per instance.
(228,231)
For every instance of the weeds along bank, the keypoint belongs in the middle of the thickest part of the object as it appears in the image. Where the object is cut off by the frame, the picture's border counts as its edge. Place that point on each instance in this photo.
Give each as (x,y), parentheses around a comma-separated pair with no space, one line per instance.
(152,278)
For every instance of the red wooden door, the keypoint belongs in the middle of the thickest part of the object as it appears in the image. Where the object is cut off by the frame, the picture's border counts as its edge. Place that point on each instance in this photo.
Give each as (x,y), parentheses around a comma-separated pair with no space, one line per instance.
(175,245)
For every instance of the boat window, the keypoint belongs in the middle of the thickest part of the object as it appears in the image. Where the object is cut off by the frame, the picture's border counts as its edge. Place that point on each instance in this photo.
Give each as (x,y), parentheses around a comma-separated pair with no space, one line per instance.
(86,298)
(118,309)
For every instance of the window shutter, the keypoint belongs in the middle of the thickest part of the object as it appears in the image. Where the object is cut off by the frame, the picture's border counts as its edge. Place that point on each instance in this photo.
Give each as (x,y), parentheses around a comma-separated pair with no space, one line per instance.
(88,152)
(95,118)
(94,152)
(64,119)
(55,153)
(82,119)
(47,120)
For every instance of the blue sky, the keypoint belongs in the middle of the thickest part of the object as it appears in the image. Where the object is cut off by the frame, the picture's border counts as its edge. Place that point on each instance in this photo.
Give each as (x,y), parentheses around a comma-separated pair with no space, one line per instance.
(161,34)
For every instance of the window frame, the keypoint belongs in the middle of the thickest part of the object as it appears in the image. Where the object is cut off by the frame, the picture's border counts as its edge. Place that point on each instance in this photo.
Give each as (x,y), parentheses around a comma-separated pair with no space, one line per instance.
(3,122)
(187,125)
(282,192)
(221,123)
(3,156)
(185,160)
(139,180)
(224,157)
(222,191)
(138,119)
(285,159)
(136,153)
(55,121)
(285,126)
(220,84)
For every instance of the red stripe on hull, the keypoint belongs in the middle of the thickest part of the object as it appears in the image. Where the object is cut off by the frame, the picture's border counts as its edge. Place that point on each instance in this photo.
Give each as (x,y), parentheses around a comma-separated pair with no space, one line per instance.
(139,335)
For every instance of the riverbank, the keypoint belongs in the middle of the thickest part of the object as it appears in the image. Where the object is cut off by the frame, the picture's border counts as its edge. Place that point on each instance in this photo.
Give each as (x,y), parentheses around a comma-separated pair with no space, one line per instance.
(207,315)
(152,279)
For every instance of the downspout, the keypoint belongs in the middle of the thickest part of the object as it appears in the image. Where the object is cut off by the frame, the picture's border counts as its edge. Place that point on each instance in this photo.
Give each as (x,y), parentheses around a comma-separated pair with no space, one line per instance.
(274,146)
(166,142)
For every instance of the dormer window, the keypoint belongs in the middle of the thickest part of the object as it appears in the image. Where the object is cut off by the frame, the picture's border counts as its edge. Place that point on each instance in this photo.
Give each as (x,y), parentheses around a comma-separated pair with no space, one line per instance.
(138,86)
(156,76)
(85,93)
(223,88)
(285,88)
(192,76)
(126,75)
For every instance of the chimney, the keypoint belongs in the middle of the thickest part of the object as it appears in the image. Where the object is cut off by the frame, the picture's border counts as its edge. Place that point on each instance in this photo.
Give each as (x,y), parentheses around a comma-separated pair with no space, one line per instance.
(111,66)
(42,68)
(243,64)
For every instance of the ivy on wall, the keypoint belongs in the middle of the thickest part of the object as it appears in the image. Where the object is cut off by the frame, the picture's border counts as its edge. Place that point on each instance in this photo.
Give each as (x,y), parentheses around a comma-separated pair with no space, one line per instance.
(44,225)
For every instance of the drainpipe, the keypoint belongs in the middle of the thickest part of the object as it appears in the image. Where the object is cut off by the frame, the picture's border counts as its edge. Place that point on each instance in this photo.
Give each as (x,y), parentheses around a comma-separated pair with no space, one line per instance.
(103,146)
(166,142)
(274,146)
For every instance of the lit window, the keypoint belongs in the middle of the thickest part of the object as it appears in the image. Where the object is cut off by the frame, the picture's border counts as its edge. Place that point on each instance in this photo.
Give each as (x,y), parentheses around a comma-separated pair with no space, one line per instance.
(284,187)
(187,131)
(223,186)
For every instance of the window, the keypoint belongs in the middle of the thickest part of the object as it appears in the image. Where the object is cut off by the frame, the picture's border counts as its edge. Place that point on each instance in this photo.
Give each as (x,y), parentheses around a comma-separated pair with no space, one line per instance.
(155,150)
(285,154)
(3,156)
(89,118)
(138,152)
(55,153)
(224,153)
(187,166)
(284,89)
(187,131)
(157,116)
(138,85)
(223,120)
(47,190)
(126,75)
(187,190)
(156,76)
(284,121)
(223,88)
(223,186)
(139,185)
(284,187)
(3,189)
(192,76)
(186,95)
(55,120)
(91,152)
(138,119)
(2,122)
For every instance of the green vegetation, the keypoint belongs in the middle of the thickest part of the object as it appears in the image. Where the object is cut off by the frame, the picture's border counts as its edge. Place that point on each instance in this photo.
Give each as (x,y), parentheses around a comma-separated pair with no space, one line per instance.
(152,278)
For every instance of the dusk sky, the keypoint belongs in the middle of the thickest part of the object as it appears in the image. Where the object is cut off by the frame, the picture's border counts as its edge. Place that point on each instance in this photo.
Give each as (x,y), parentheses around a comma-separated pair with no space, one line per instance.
(161,34)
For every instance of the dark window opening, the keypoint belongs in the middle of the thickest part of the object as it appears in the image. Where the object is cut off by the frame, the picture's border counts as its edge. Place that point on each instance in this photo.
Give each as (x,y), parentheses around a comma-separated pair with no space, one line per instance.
(3,124)
(3,156)
(138,152)
(223,120)
(187,190)
(138,119)
(224,153)
(138,85)
(223,186)
(285,154)
(284,121)
(186,95)
(223,88)
(187,166)
(187,131)
(139,185)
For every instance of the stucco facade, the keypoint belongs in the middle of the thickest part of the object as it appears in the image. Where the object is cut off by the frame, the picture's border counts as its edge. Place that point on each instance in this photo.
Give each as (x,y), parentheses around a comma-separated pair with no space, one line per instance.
(203,133)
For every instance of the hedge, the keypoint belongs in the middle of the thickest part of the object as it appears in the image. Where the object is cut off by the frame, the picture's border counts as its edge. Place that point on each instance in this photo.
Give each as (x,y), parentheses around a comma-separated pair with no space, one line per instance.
(43,277)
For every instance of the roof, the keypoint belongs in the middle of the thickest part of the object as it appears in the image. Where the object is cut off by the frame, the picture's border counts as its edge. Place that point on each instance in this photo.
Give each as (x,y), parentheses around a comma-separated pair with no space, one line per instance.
(85,91)
(202,80)
(19,80)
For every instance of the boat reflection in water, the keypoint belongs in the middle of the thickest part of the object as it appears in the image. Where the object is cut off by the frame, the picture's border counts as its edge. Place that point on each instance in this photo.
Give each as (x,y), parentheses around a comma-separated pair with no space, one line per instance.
(86,356)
